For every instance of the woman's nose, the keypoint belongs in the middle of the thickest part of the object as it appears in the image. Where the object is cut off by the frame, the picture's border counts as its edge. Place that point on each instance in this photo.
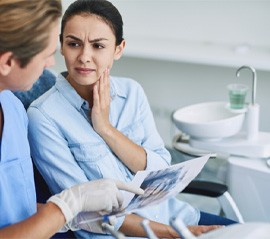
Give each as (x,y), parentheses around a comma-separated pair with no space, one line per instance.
(85,55)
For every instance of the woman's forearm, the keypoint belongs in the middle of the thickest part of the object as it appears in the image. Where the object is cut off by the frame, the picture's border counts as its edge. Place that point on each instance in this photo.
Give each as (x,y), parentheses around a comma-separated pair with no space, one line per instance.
(132,227)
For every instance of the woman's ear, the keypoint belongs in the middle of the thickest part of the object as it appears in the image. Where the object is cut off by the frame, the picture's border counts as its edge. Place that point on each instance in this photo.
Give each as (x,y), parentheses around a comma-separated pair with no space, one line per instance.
(6,62)
(119,50)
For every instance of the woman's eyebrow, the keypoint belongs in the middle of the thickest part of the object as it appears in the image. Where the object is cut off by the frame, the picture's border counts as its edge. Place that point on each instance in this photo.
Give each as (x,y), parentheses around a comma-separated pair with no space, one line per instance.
(73,37)
(98,39)
(91,41)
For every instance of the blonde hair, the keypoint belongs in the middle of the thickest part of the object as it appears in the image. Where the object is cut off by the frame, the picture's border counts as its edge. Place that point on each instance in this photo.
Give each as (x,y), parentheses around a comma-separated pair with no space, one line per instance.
(25,26)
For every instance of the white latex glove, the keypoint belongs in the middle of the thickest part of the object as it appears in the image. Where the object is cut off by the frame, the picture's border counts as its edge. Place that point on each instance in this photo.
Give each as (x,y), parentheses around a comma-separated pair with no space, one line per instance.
(102,196)
(81,221)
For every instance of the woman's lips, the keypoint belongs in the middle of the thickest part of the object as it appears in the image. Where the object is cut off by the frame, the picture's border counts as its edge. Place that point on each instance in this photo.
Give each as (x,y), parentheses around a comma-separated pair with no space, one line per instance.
(84,71)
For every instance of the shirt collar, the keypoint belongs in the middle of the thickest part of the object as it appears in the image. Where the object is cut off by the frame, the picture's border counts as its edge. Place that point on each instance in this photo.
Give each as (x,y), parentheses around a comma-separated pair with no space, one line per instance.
(63,86)
(76,100)
(117,89)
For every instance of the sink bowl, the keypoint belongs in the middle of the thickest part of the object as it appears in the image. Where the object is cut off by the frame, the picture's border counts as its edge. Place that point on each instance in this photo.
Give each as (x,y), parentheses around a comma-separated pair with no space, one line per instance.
(210,120)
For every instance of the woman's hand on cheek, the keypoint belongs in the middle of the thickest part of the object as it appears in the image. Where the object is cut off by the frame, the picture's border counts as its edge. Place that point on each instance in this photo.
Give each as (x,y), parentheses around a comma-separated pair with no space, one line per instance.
(101,104)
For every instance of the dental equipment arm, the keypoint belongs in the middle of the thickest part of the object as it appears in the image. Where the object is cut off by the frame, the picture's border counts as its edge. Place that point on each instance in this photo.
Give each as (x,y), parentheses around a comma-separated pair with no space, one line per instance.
(148,230)
(178,225)
(116,234)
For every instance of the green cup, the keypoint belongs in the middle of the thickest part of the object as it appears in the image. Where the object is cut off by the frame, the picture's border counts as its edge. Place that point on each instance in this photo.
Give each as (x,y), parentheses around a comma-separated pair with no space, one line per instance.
(237,95)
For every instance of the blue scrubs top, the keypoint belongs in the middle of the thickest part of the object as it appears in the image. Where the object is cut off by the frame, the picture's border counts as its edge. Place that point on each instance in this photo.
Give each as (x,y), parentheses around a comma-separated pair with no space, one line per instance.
(17,188)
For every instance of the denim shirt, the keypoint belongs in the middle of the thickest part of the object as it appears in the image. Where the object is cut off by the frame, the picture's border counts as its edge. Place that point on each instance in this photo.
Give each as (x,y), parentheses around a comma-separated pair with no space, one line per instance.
(67,150)
(17,188)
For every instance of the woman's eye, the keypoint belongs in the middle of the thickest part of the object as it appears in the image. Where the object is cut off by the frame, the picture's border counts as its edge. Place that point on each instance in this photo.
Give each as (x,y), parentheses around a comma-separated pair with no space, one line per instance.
(73,44)
(98,46)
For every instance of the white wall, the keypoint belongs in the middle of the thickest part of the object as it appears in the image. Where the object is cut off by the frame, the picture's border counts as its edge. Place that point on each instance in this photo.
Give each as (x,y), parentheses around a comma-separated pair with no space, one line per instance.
(219,21)
(173,83)
(218,32)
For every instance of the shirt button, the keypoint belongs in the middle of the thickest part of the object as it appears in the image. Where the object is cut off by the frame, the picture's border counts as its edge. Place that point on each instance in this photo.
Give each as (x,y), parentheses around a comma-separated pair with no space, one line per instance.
(156,216)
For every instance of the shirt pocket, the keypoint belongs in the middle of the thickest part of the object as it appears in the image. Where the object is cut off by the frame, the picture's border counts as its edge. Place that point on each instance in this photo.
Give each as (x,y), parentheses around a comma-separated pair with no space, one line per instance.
(89,152)
(97,161)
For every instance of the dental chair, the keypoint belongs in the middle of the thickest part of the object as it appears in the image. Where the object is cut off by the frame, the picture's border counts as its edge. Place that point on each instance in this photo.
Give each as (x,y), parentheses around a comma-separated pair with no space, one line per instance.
(210,189)
(44,83)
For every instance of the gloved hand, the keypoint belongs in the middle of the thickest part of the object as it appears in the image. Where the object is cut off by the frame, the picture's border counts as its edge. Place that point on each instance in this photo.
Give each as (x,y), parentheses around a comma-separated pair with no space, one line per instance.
(84,220)
(102,196)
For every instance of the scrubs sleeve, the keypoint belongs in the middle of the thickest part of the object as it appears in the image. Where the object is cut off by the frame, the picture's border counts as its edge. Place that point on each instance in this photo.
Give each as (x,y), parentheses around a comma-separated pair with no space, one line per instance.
(157,155)
(51,154)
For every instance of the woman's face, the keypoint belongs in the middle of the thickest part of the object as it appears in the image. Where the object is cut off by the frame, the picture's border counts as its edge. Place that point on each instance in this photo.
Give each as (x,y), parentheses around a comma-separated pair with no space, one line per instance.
(88,48)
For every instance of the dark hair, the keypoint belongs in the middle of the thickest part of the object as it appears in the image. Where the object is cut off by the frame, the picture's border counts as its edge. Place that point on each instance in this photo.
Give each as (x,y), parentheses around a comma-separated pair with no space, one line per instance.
(102,8)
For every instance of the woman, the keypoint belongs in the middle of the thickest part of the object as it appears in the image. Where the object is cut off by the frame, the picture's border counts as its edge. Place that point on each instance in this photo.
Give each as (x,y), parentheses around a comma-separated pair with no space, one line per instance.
(28,39)
(92,125)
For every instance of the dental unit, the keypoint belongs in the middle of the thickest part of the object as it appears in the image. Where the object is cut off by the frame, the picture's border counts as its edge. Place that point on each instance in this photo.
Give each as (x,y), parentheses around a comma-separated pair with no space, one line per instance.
(217,128)
(232,135)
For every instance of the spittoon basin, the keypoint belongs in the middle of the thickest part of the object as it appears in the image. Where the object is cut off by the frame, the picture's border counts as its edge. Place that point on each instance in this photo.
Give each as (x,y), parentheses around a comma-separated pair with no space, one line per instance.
(210,120)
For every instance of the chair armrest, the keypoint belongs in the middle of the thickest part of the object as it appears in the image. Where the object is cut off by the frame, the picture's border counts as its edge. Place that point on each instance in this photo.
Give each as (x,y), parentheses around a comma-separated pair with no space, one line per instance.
(205,188)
